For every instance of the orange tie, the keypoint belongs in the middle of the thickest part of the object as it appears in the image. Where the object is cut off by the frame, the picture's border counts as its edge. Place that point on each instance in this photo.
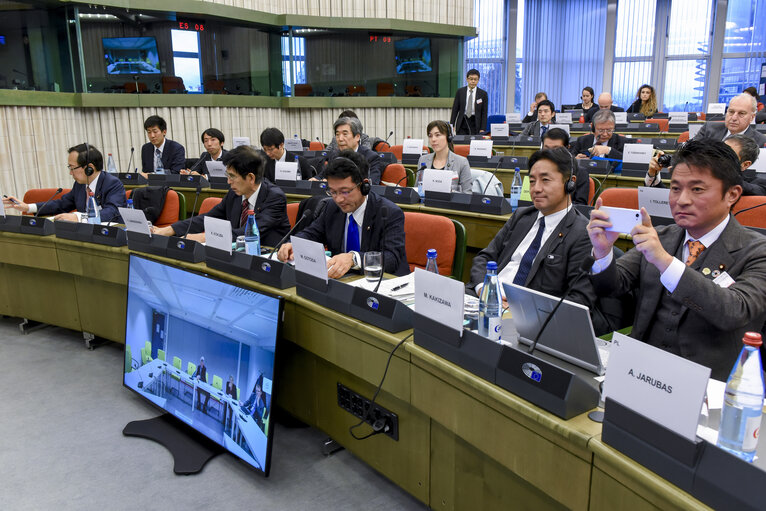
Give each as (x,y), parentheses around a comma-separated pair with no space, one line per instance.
(695,249)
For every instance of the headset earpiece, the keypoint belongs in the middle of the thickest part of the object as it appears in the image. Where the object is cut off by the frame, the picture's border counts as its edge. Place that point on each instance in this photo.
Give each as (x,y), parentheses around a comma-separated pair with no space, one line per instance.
(365,187)
(571,184)
(364,184)
(592,128)
(87,168)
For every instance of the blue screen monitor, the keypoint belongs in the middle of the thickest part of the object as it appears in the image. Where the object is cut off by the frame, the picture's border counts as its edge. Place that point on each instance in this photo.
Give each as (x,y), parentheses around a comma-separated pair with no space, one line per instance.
(203,350)
(131,55)
(413,55)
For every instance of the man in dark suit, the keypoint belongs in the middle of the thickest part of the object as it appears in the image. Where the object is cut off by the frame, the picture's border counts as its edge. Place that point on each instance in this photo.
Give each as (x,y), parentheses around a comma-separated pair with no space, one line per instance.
(355,222)
(739,115)
(161,152)
(603,142)
(469,110)
(348,132)
(542,247)
(604,103)
(249,191)
(273,144)
(231,391)
(85,164)
(213,140)
(545,113)
(556,137)
(701,283)
(201,374)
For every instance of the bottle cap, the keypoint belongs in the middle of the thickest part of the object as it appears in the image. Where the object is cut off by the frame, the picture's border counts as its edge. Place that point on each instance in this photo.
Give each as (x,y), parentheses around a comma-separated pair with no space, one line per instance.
(250,212)
(492,265)
(752,339)
(431,252)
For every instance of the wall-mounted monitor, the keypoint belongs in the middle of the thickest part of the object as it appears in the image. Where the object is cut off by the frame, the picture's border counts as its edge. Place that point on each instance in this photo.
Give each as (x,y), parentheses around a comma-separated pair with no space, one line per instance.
(131,55)
(203,350)
(413,55)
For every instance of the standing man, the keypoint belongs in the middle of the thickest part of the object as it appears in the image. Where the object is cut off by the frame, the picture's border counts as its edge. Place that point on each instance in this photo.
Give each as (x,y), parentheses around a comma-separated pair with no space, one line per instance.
(161,153)
(604,103)
(469,110)
(700,283)
(273,144)
(201,374)
(545,113)
(739,115)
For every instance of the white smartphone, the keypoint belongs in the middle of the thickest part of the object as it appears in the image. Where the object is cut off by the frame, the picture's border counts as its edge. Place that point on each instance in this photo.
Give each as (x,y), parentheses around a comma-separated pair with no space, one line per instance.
(623,220)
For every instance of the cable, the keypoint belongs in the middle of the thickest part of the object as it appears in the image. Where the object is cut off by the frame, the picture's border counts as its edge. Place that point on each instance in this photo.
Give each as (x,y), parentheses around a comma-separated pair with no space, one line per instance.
(381,427)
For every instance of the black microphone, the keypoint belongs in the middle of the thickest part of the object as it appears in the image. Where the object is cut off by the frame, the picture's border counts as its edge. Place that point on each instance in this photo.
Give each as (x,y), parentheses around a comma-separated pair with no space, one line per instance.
(194,208)
(601,183)
(584,269)
(383,214)
(58,191)
(483,192)
(751,207)
(201,159)
(130,161)
(306,214)
(389,135)
(408,173)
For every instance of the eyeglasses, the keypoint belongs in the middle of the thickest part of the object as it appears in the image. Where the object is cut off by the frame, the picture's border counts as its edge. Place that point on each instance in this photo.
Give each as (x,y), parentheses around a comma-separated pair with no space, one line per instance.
(604,131)
(70,168)
(342,193)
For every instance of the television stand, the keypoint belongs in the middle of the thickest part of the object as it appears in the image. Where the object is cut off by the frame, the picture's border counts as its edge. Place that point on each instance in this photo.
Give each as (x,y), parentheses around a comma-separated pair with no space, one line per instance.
(190,450)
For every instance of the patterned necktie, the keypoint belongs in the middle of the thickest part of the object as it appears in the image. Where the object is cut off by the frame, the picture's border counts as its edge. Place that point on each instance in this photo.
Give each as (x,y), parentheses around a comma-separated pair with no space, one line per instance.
(352,235)
(529,256)
(469,105)
(157,159)
(695,249)
(543,129)
(243,215)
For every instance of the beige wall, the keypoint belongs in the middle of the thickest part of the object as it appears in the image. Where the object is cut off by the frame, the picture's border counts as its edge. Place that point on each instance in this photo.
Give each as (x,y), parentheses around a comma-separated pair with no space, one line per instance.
(34,140)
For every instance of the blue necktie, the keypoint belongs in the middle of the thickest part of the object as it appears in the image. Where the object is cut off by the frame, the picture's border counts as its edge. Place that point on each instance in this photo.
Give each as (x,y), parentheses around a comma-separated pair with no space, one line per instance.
(352,235)
(529,256)
(543,129)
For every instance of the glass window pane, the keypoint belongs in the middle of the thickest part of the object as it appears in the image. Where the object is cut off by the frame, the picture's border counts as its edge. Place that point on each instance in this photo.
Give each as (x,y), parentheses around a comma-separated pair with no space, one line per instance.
(737,75)
(185,40)
(517,100)
(684,85)
(635,28)
(487,51)
(520,29)
(689,31)
(188,69)
(745,26)
(628,77)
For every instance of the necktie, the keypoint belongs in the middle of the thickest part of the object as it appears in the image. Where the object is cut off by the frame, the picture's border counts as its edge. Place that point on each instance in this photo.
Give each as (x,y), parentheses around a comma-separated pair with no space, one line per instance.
(352,235)
(469,105)
(529,256)
(243,215)
(157,159)
(695,249)
(543,129)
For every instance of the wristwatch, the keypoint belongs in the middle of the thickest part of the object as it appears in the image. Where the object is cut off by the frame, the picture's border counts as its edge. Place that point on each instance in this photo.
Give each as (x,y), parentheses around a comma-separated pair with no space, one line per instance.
(357,261)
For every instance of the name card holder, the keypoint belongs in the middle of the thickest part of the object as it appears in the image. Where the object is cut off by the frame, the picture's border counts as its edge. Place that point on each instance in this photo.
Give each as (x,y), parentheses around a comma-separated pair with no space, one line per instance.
(471,351)
(131,178)
(526,141)
(490,205)
(318,291)
(303,187)
(100,234)
(271,272)
(218,183)
(36,225)
(478,161)
(452,200)
(172,247)
(397,194)
(10,223)
(634,169)
(178,180)
(410,159)
(599,167)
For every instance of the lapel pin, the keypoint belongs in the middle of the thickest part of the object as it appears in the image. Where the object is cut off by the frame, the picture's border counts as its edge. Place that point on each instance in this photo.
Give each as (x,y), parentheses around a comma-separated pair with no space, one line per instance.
(716,273)
(706,271)
(721,267)
(561,235)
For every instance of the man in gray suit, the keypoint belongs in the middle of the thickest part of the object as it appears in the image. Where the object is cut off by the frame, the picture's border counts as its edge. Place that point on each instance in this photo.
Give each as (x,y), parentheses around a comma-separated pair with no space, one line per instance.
(545,113)
(739,115)
(701,283)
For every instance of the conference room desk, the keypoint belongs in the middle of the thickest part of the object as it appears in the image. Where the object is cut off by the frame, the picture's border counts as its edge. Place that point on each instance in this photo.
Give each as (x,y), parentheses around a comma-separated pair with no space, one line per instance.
(463,442)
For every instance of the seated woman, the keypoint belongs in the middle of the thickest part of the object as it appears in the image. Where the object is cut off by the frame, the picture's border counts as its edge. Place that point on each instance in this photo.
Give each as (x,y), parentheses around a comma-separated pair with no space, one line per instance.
(443,157)
(587,104)
(645,103)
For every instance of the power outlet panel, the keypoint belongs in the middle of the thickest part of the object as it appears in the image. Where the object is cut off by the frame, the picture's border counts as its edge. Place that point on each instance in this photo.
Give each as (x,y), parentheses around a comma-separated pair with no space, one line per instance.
(356,404)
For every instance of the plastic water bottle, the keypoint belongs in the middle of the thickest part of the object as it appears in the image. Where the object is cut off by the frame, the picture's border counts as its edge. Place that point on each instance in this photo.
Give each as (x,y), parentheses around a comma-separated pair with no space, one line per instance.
(298,169)
(743,401)
(91,206)
(431,261)
(130,204)
(491,305)
(252,235)
(110,166)
(516,189)
(420,182)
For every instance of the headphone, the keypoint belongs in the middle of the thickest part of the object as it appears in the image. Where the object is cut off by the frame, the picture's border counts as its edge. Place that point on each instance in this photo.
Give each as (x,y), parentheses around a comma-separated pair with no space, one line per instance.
(444,126)
(364,184)
(570,185)
(87,168)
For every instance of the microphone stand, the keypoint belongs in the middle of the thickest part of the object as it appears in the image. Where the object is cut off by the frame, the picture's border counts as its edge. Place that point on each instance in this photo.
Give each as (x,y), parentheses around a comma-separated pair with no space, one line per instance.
(194,208)
(58,191)
(502,158)
(383,214)
(130,161)
(307,213)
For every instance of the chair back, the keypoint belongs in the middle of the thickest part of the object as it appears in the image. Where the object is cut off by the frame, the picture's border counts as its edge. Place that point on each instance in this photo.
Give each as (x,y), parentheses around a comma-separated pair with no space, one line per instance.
(620,197)
(683,137)
(385,89)
(462,150)
(171,210)
(302,89)
(382,146)
(755,217)
(177,363)
(208,204)
(397,150)
(292,213)
(480,180)
(395,173)
(191,368)
(173,84)
(217,382)
(423,231)
(214,86)
(34,195)
(494,119)
(316,145)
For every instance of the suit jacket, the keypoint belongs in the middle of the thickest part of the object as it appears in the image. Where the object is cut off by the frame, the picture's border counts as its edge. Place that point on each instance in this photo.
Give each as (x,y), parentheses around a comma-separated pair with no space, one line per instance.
(713,319)
(592,111)
(271,165)
(110,195)
(716,130)
(328,229)
(533,129)
(585,142)
(173,157)
(455,163)
(201,372)
(270,215)
(201,167)
(231,390)
(377,165)
(480,110)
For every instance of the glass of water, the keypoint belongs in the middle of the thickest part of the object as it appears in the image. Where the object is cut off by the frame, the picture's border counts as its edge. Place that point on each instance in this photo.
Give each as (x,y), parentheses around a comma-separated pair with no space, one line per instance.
(373,266)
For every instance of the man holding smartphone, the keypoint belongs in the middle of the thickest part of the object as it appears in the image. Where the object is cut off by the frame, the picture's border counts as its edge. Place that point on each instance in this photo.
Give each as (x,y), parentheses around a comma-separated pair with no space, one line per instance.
(701,283)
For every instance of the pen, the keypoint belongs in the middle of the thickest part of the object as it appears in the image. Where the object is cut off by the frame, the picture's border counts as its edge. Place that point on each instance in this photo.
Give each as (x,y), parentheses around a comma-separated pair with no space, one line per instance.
(13,201)
(402,286)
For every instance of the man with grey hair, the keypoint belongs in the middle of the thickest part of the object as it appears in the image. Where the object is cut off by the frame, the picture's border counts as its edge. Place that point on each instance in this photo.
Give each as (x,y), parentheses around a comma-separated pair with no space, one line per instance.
(201,374)
(604,103)
(739,117)
(348,132)
(603,142)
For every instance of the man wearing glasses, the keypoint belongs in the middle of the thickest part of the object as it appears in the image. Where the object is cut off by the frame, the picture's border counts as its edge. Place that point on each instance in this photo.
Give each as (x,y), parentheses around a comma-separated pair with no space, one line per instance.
(84,164)
(356,221)
(603,142)
(739,117)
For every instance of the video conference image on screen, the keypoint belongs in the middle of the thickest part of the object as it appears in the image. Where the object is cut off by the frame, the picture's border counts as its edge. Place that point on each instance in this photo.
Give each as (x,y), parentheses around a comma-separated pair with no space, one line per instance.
(203,350)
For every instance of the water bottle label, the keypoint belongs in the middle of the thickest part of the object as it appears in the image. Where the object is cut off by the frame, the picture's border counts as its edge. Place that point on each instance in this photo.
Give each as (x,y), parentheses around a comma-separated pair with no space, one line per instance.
(494,325)
(752,429)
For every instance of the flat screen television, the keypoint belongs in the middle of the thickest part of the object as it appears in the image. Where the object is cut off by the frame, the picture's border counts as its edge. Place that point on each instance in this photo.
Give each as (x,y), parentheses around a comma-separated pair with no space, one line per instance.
(179,322)
(131,55)
(413,55)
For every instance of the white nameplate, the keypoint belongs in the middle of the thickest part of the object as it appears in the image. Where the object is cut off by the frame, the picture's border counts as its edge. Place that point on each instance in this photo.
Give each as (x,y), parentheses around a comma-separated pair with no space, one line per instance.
(294,144)
(513,117)
(620,117)
(563,118)
(286,171)
(412,146)
(238,141)
(437,180)
(135,220)
(2,209)
(481,148)
(439,298)
(655,200)
(657,384)
(216,168)
(499,130)
(694,129)
(218,233)
(716,108)
(637,153)
(760,163)
(564,127)
(267,386)
(678,118)
(309,257)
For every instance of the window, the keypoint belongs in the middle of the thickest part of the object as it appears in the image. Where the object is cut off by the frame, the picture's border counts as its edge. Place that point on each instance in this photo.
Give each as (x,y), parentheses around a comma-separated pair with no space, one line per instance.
(186,62)
(744,47)
(487,52)
(299,62)
(633,49)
